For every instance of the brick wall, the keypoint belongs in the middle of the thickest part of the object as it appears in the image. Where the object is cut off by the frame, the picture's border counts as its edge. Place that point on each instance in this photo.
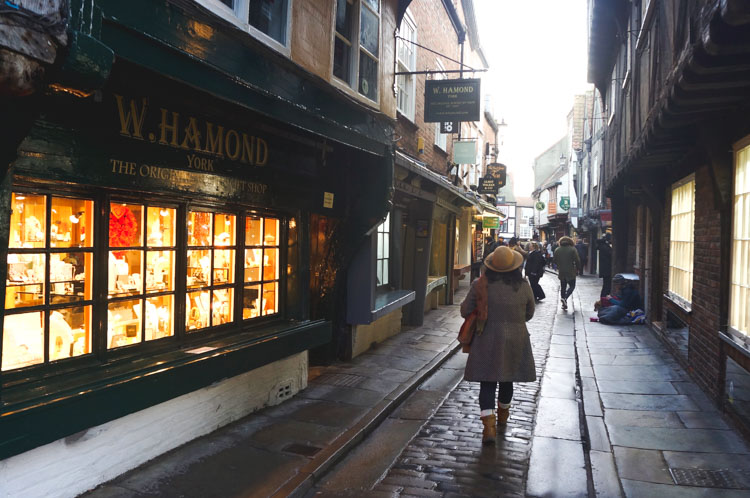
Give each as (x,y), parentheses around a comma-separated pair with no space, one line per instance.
(434,30)
(704,341)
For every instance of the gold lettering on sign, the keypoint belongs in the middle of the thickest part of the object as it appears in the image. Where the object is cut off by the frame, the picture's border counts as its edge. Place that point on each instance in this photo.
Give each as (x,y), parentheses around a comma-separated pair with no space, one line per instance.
(132,117)
(214,143)
(191,134)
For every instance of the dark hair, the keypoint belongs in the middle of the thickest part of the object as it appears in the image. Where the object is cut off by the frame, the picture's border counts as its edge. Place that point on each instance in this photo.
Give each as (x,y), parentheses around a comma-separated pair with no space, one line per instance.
(513,278)
(513,241)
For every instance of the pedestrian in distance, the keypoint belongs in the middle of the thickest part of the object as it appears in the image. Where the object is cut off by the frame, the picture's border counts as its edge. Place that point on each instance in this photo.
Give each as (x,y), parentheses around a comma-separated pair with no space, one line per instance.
(605,264)
(535,270)
(501,353)
(489,246)
(513,244)
(500,241)
(568,263)
(583,254)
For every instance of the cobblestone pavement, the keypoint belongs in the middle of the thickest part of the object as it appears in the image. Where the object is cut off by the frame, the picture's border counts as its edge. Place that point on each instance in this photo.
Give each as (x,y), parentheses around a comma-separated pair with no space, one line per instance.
(447,458)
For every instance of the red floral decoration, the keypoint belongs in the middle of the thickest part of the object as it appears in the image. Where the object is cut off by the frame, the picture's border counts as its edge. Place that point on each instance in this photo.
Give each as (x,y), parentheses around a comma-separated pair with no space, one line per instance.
(123,227)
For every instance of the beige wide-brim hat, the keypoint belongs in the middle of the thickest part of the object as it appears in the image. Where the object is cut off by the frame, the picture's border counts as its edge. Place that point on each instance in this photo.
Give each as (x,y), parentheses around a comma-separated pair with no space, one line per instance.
(503,259)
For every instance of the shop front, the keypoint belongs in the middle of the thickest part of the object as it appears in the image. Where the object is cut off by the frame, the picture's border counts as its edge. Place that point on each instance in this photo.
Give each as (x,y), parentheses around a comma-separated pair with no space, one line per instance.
(158,269)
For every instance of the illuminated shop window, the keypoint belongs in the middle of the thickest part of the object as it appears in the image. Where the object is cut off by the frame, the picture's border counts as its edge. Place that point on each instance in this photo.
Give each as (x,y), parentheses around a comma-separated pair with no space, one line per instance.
(48,296)
(210,269)
(681,240)
(52,309)
(260,294)
(140,277)
(739,288)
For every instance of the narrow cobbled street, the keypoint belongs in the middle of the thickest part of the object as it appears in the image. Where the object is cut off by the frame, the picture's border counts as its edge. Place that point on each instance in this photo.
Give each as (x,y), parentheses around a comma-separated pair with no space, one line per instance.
(447,457)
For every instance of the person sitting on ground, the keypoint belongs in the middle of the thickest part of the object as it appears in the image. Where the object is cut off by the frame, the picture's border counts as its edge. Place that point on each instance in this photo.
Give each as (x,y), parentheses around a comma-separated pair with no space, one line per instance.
(628,300)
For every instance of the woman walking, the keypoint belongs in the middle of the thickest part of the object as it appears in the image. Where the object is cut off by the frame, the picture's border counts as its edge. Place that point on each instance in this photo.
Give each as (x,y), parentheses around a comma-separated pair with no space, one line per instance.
(535,270)
(501,353)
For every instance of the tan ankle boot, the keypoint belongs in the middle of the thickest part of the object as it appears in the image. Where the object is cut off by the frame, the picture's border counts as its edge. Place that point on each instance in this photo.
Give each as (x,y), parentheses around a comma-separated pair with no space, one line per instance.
(490,431)
(502,415)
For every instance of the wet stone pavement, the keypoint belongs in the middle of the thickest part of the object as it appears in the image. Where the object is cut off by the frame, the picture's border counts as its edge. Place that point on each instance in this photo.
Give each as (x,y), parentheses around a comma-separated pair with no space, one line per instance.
(447,458)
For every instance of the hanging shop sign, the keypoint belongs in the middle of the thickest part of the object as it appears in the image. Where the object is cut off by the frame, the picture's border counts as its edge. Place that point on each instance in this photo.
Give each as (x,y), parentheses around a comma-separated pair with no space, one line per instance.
(449,127)
(539,206)
(564,203)
(498,171)
(487,185)
(490,222)
(465,152)
(451,100)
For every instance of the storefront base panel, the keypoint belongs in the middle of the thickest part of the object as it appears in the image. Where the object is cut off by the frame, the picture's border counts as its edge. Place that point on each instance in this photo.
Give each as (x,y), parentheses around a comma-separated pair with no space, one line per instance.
(365,336)
(80,462)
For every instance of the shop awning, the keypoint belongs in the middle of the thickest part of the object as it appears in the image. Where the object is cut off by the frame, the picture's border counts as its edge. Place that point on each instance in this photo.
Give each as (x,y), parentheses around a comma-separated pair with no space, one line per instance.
(461,197)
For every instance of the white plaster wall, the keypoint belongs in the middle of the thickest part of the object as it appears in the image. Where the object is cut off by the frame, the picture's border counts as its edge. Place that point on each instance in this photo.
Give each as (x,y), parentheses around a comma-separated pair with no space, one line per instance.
(364,336)
(75,464)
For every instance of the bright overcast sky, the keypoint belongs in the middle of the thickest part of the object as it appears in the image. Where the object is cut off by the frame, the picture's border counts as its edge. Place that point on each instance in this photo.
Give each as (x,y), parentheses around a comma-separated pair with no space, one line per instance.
(537,55)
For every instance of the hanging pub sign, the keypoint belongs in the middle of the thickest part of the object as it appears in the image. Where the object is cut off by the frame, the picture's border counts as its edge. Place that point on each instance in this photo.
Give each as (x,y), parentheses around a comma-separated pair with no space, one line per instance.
(539,206)
(487,185)
(451,100)
(490,222)
(449,127)
(565,203)
(498,172)
(465,152)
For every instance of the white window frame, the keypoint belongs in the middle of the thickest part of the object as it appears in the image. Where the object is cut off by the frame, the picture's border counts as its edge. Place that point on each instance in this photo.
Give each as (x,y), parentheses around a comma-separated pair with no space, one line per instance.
(680,284)
(441,139)
(351,86)
(406,60)
(383,252)
(239,16)
(739,272)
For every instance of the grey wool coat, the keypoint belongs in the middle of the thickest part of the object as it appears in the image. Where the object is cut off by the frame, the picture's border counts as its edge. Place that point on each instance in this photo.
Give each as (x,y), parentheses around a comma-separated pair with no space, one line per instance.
(502,352)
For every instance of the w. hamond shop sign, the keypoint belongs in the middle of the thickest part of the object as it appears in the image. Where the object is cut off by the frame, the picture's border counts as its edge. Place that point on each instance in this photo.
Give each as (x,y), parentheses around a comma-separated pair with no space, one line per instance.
(451,100)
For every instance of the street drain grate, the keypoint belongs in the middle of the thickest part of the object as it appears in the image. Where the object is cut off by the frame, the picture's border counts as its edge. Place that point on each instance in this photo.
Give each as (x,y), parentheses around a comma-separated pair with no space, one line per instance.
(301,449)
(705,478)
(347,380)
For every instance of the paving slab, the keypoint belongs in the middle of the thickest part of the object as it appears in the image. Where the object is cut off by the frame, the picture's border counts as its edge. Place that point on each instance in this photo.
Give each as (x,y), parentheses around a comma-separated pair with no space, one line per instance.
(643,418)
(563,365)
(342,394)
(592,403)
(664,402)
(702,420)
(635,387)
(558,418)
(556,468)
(562,350)
(698,440)
(604,475)
(642,465)
(369,461)
(598,438)
(558,385)
(640,373)
(643,359)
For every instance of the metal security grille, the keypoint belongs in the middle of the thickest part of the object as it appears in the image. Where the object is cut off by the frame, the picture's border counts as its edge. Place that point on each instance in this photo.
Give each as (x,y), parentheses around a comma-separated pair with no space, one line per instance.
(347,380)
(704,478)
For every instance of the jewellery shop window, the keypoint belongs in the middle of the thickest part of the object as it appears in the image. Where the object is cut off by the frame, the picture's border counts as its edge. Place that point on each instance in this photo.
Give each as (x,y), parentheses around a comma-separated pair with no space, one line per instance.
(48,298)
(260,293)
(210,269)
(140,287)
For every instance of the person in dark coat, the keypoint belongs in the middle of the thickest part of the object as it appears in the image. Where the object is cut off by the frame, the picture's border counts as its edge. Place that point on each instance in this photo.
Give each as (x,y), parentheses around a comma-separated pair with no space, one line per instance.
(501,349)
(583,254)
(568,263)
(535,264)
(605,264)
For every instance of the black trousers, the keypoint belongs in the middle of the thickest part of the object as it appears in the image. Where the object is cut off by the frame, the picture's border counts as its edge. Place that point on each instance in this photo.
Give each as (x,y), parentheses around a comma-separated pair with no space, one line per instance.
(567,286)
(487,394)
(606,286)
(538,291)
